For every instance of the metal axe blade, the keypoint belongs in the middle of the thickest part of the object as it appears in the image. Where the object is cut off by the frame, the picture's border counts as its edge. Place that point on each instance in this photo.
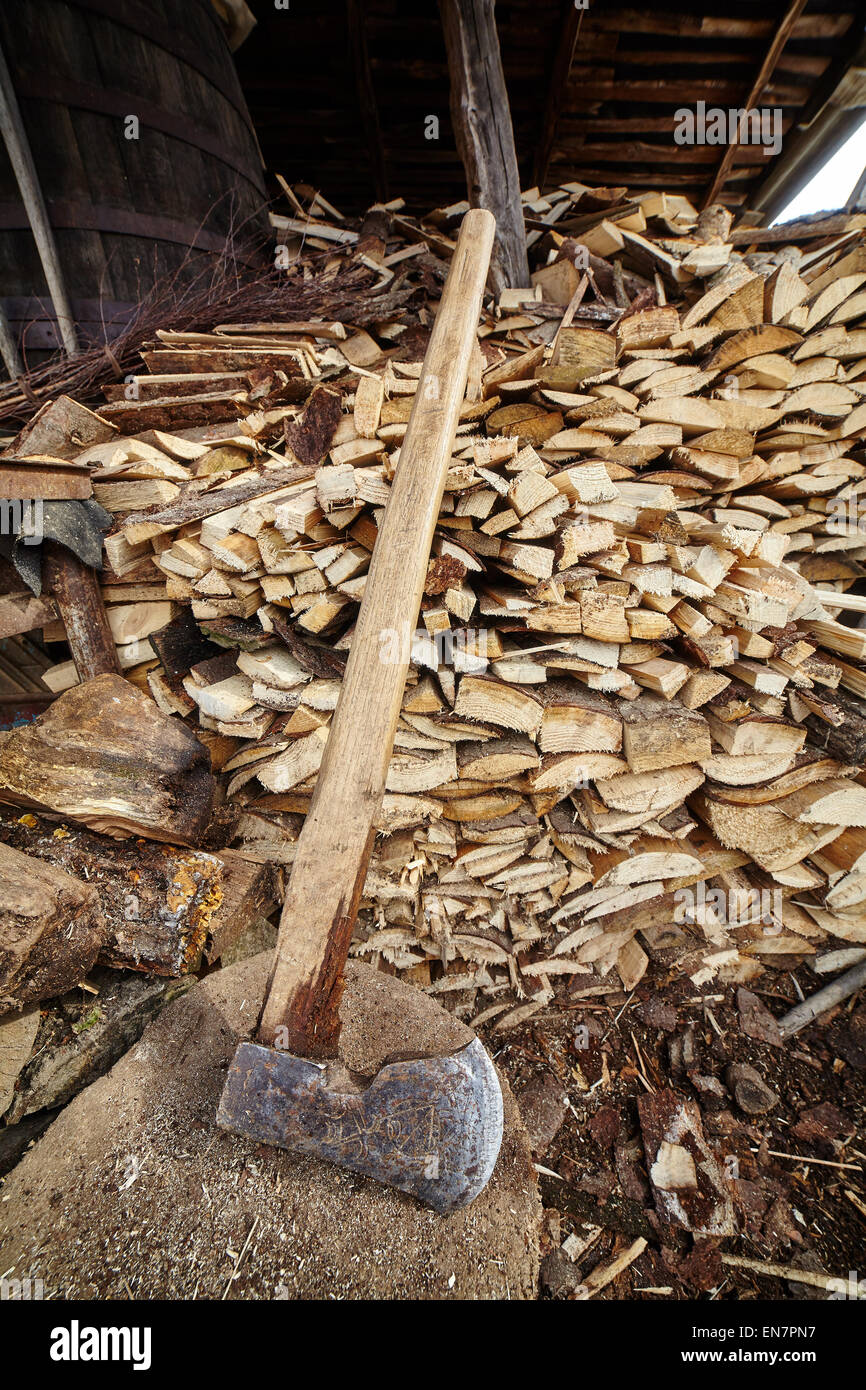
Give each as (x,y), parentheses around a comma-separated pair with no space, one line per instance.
(431,1126)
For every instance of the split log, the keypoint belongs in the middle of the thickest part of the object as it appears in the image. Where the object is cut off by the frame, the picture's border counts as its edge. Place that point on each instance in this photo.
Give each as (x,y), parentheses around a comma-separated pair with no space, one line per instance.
(81,1037)
(166,910)
(105,755)
(61,428)
(17,1036)
(51,930)
(75,589)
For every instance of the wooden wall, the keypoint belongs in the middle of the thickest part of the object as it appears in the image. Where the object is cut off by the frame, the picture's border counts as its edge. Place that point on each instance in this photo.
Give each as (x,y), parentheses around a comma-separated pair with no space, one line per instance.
(125,211)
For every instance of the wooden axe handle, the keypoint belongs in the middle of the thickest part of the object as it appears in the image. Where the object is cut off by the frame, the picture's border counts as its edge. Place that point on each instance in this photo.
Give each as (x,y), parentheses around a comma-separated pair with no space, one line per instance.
(75,589)
(302,1004)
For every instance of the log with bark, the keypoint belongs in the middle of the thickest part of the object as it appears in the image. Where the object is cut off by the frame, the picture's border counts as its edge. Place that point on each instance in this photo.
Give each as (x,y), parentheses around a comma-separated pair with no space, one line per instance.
(166,909)
(51,929)
(104,754)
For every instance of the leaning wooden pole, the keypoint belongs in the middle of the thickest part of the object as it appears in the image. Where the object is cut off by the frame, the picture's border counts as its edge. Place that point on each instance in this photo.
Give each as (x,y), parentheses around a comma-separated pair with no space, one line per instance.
(20,157)
(485,139)
(8,348)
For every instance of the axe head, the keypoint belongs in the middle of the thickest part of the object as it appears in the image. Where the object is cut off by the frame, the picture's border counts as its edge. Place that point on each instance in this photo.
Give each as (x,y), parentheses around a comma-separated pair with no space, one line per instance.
(431,1126)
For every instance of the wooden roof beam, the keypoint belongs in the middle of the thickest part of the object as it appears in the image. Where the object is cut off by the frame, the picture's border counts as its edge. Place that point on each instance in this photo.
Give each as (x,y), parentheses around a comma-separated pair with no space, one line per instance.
(677,25)
(765,72)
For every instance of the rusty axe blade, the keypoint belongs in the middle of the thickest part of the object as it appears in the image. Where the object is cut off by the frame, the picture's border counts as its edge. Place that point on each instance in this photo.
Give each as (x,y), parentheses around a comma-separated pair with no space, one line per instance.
(431,1126)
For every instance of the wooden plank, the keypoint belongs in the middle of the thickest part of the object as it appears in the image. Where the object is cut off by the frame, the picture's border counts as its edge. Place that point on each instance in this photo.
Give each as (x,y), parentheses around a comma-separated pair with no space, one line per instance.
(676,25)
(834,225)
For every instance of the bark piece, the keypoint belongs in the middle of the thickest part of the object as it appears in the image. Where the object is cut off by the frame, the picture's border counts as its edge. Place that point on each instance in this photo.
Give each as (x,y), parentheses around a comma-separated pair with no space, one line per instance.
(51,929)
(559,1274)
(180,644)
(749,1089)
(310,436)
(756,1021)
(105,755)
(542,1105)
(670,1121)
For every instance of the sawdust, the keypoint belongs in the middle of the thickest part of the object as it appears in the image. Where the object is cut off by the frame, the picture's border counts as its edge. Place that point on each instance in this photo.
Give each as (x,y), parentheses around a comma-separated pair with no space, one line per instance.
(134,1192)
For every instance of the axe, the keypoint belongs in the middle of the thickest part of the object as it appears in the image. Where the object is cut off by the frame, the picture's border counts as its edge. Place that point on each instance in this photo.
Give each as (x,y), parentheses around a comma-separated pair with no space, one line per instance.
(431,1126)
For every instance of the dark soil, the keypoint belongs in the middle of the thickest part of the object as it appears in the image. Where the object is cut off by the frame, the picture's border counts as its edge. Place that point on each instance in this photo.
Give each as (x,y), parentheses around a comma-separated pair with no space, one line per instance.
(602,1056)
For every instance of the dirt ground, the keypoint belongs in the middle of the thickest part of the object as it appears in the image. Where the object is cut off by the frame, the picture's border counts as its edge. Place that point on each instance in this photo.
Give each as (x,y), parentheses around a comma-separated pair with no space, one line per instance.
(134,1192)
(171,1214)
(582,1066)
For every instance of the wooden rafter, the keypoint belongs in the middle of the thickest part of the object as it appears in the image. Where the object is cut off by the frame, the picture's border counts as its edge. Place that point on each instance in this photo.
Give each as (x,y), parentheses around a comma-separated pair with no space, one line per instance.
(557,88)
(822,127)
(765,72)
(649,20)
(850,53)
(367,96)
(857,193)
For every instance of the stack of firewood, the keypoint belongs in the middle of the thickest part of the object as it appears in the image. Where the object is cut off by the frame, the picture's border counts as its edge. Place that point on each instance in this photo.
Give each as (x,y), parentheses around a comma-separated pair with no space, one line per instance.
(633,722)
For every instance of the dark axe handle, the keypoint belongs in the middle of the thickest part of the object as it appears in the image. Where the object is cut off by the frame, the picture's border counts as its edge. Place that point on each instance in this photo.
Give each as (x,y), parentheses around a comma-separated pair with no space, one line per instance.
(75,589)
(301,1008)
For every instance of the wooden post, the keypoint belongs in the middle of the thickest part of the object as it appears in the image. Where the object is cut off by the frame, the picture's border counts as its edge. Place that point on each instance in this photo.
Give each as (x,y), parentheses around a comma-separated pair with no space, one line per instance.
(557,89)
(75,589)
(482,127)
(8,348)
(21,159)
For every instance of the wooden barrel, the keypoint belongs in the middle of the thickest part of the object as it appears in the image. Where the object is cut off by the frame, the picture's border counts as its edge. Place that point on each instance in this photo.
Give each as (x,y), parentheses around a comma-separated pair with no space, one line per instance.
(143,146)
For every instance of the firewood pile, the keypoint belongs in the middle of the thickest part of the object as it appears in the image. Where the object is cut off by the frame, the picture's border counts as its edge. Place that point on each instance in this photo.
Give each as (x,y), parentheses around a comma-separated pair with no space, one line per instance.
(633,728)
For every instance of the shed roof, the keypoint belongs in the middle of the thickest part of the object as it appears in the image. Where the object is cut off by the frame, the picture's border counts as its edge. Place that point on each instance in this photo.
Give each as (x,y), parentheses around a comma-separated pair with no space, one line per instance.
(342,92)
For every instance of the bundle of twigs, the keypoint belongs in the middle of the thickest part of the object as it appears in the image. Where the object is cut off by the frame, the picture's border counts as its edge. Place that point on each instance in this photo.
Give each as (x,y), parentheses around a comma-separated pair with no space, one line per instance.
(238,284)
